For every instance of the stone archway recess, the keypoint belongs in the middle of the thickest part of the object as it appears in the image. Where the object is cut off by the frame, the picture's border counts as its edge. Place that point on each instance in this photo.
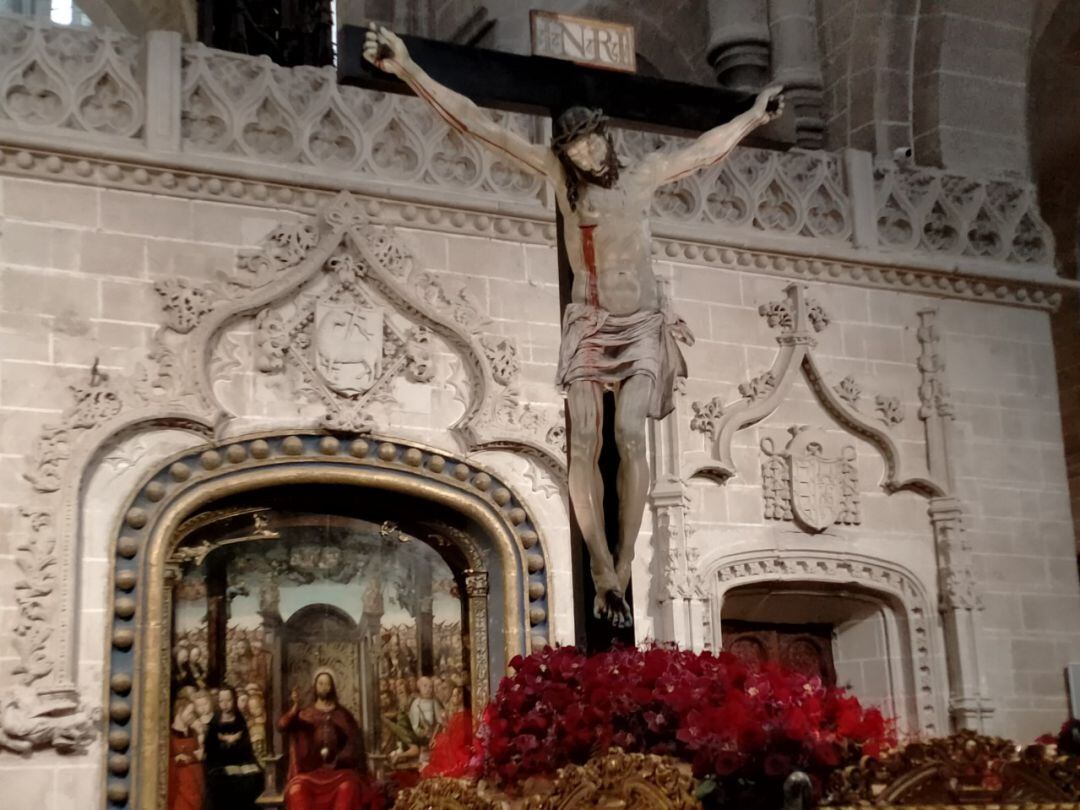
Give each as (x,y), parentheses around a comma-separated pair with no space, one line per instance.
(174,389)
(899,589)
(143,574)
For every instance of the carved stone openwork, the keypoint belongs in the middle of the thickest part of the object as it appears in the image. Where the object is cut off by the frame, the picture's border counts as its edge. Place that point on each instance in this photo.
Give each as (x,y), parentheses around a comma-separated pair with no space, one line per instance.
(146,568)
(902,592)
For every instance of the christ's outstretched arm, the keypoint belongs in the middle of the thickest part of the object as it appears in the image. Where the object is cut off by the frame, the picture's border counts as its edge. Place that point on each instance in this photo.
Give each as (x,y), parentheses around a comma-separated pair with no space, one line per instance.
(714,145)
(386,51)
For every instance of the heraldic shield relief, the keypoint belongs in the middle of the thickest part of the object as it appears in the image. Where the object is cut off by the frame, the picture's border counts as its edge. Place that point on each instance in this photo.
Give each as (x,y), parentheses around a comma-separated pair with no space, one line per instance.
(348,345)
(801,483)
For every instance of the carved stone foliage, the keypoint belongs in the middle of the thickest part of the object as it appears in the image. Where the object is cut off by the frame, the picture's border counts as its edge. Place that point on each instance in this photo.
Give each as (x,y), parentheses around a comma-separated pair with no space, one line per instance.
(802,483)
(706,416)
(70,78)
(795,192)
(926,209)
(248,106)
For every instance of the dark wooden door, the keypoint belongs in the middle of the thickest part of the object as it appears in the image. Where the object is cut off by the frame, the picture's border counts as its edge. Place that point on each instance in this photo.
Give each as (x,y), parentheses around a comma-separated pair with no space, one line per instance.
(804,648)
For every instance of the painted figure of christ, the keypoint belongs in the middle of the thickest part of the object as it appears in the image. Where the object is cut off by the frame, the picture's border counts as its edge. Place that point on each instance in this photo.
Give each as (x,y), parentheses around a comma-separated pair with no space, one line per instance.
(618,333)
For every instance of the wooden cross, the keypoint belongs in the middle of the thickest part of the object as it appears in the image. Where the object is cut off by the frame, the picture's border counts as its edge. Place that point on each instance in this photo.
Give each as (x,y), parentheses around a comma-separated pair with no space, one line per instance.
(543,86)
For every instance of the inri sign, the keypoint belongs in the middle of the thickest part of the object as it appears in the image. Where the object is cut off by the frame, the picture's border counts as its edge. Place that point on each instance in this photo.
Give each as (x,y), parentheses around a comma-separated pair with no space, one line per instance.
(587,42)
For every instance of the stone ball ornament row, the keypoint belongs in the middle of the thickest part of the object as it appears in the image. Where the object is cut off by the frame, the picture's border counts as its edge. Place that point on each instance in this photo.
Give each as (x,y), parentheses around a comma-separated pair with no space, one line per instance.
(202,465)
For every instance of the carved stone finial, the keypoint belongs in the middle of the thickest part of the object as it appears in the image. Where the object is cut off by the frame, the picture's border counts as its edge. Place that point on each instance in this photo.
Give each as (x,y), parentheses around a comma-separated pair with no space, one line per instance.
(934,396)
(706,416)
(849,390)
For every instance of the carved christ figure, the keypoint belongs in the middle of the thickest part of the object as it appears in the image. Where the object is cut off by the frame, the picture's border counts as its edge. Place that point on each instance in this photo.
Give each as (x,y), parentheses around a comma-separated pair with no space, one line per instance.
(618,333)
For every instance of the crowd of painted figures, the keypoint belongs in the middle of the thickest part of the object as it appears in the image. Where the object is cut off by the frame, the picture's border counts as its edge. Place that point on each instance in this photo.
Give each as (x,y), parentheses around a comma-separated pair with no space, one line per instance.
(220,737)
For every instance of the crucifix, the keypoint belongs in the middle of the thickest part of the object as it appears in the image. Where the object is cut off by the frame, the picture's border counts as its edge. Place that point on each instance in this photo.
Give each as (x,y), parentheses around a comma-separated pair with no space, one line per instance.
(619,334)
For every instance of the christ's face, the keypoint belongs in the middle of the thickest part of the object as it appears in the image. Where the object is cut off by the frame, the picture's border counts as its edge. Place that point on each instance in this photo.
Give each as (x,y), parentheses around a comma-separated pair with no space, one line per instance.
(589,153)
(324,686)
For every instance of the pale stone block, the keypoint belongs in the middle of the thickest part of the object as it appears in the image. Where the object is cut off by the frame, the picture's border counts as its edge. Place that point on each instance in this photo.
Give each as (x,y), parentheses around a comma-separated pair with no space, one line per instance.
(9,616)
(235,224)
(1023,573)
(513,300)
(146,214)
(40,245)
(29,786)
(25,345)
(49,201)
(745,505)
(486,257)
(91,633)
(49,293)
(109,254)
(19,430)
(131,301)
(198,262)
(1001,611)
(79,786)
(736,325)
(115,344)
(708,284)
(428,248)
(1047,613)
(542,264)
(35,385)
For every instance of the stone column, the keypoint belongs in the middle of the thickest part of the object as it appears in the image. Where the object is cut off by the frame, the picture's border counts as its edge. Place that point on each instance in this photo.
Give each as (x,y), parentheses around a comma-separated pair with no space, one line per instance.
(739,43)
(969,705)
(796,64)
(958,598)
(674,580)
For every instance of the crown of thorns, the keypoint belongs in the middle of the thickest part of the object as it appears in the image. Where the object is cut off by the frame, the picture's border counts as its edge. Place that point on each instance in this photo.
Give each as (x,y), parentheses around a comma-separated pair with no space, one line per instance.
(574,123)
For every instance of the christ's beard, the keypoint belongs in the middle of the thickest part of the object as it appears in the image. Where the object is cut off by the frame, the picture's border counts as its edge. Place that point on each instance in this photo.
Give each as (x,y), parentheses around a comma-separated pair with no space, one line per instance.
(604,179)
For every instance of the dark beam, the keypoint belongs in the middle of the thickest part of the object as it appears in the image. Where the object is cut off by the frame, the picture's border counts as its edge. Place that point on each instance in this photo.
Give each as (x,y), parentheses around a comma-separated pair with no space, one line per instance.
(539,85)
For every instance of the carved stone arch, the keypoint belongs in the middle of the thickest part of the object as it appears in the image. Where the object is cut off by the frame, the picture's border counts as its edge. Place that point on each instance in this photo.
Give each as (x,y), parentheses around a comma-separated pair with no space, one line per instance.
(798,317)
(174,389)
(513,572)
(720,573)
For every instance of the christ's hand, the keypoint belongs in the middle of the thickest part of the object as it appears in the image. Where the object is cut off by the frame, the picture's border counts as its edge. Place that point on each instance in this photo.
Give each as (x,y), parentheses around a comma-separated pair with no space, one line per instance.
(770,103)
(385,50)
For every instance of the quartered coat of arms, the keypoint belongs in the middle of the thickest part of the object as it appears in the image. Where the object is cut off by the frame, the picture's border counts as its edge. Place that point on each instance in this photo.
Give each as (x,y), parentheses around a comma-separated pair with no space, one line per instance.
(805,484)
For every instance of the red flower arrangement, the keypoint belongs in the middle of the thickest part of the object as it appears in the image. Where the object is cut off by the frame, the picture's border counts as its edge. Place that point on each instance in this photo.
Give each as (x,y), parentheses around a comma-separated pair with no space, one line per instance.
(743,731)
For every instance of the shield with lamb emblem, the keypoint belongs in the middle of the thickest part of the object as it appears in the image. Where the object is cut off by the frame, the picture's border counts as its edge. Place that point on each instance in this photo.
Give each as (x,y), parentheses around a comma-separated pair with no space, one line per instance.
(348,346)
(816,488)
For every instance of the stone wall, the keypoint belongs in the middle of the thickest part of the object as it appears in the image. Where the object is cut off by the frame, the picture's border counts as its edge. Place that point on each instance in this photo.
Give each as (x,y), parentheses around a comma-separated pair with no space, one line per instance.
(768,257)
